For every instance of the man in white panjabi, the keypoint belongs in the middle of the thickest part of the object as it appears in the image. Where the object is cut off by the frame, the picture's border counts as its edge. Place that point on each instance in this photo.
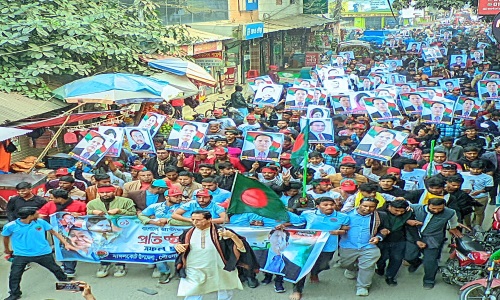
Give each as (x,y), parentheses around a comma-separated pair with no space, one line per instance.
(207,259)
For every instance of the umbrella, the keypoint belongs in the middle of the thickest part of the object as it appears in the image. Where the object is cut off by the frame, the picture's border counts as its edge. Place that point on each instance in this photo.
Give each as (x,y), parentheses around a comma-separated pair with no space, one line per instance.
(117,88)
(181,67)
(180,82)
(7,132)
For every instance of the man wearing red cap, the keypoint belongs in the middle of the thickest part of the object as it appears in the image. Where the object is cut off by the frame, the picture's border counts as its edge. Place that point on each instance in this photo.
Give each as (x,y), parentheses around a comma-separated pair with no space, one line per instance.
(109,204)
(203,202)
(54,184)
(222,156)
(347,170)
(250,125)
(410,149)
(224,121)
(193,162)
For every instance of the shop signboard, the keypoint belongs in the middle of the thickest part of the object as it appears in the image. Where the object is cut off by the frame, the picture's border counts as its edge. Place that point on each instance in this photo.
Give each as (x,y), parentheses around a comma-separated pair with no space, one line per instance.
(207,47)
(488,7)
(252,31)
(209,59)
(315,7)
(495,27)
(311,59)
(366,7)
(249,5)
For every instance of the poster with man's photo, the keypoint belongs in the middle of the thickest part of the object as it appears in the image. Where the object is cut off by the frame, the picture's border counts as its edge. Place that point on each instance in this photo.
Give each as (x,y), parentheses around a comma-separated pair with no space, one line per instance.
(320,97)
(404,88)
(92,148)
(477,55)
(298,98)
(153,122)
(380,143)
(466,108)
(139,140)
(382,109)
(431,53)
(433,93)
(438,112)
(342,104)
(268,94)
(489,89)
(117,134)
(187,136)
(392,64)
(337,85)
(458,60)
(413,47)
(329,72)
(348,55)
(305,83)
(449,84)
(256,82)
(262,146)
(413,103)
(491,75)
(320,130)
(317,112)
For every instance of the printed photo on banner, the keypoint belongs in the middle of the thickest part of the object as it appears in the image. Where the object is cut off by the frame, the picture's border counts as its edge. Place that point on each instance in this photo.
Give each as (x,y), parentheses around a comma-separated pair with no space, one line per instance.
(380,143)
(393,78)
(317,112)
(382,109)
(431,53)
(256,82)
(152,121)
(139,139)
(357,99)
(440,112)
(320,130)
(187,136)
(365,84)
(320,96)
(391,42)
(482,46)
(488,89)
(466,108)
(268,94)
(298,98)
(386,91)
(458,60)
(413,47)
(392,64)
(342,104)
(404,88)
(377,79)
(305,83)
(338,61)
(348,55)
(328,72)
(413,103)
(432,92)
(492,75)
(449,84)
(262,146)
(92,148)
(477,55)
(444,51)
(117,134)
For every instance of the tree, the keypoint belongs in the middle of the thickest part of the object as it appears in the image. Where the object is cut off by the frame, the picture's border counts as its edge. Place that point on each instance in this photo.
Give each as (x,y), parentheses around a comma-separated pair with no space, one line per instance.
(43,40)
(436,4)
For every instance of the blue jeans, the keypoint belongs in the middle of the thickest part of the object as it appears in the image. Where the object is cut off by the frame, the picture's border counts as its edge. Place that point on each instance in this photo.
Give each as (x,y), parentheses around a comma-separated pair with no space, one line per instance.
(163,267)
(243,111)
(69,267)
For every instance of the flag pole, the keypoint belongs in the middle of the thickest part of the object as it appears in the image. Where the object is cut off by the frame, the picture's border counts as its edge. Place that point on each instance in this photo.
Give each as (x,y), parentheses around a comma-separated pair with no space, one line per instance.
(431,159)
(305,161)
(232,188)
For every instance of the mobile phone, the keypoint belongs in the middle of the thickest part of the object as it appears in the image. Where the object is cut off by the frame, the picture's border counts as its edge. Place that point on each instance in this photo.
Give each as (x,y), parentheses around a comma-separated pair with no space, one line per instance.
(68,286)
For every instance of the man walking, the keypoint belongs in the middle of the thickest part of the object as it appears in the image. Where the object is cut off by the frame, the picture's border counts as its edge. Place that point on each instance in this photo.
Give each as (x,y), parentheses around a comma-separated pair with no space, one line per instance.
(27,235)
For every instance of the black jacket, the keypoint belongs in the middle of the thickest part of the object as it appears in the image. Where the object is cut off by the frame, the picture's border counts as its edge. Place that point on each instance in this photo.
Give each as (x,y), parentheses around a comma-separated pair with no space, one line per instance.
(15,203)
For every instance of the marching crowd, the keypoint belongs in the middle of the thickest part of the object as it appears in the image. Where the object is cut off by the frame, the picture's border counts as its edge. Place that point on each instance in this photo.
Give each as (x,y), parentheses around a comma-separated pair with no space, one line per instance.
(378,213)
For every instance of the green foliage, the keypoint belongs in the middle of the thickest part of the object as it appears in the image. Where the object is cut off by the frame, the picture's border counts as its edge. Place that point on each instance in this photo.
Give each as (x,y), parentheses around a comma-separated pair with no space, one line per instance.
(45,39)
(436,4)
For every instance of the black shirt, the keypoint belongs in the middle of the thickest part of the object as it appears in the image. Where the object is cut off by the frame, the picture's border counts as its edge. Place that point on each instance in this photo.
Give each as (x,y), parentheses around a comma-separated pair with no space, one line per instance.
(15,203)
(477,142)
(396,192)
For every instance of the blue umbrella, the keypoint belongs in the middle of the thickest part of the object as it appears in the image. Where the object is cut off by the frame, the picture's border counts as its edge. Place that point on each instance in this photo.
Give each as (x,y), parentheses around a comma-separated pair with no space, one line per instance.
(186,68)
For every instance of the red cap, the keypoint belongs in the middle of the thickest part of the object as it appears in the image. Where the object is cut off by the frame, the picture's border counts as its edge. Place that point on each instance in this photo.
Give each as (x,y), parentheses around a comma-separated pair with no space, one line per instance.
(202,151)
(220,151)
(359,126)
(347,160)
(203,193)
(331,150)
(349,185)
(138,167)
(456,89)
(285,155)
(118,164)
(173,191)
(412,141)
(393,170)
(251,117)
(62,172)
(218,111)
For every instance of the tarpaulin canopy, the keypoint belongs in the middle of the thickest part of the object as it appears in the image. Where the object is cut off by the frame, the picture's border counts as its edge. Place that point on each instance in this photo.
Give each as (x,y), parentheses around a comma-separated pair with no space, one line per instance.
(8,132)
(56,121)
(182,67)
(181,82)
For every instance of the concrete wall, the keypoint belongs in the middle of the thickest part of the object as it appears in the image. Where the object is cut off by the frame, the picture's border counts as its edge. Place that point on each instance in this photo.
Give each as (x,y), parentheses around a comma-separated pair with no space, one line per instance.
(269,10)
(237,16)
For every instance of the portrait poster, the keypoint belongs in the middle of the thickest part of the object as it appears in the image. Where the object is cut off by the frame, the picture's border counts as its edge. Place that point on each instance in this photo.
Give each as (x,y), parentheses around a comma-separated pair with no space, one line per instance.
(382,109)
(431,53)
(256,82)
(298,98)
(466,108)
(413,103)
(187,136)
(386,91)
(413,47)
(342,104)
(329,72)
(317,112)
(337,85)
(348,55)
(92,148)
(338,61)
(392,64)
(116,133)
(358,103)
(380,143)
(393,78)
(438,112)
(268,94)
(320,96)
(491,75)
(458,60)
(262,146)
(365,84)
(432,92)
(477,55)
(404,88)
(305,83)
(139,140)
(488,89)
(449,84)
(320,130)
(152,121)
(482,46)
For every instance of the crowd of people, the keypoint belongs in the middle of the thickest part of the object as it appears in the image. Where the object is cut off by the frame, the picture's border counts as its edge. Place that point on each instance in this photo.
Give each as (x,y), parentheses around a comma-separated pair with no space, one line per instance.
(378,212)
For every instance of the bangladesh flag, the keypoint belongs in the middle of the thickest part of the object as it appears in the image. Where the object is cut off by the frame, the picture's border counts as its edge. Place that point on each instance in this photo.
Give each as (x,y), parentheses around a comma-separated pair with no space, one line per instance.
(251,135)
(179,124)
(251,196)
(301,146)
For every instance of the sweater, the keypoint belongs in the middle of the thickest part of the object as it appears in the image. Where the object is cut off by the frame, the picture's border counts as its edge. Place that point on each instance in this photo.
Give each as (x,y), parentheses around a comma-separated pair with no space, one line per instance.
(126,206)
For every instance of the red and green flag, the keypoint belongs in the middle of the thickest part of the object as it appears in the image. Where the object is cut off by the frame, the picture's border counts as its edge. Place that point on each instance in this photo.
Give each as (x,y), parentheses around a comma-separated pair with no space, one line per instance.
(251,196)
(301,146)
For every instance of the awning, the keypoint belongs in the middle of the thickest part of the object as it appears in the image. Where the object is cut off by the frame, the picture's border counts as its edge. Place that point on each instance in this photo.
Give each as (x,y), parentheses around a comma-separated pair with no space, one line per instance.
(181,82)
(60,119)
(295,22)
(8,132)
(16,107)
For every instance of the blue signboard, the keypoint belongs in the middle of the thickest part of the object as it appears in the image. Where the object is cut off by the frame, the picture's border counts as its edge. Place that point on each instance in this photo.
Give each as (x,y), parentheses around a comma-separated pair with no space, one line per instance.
(253,31)
(251,5)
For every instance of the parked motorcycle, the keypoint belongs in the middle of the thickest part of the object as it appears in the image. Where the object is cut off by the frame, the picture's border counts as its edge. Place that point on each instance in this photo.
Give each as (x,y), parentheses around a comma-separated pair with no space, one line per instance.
(467,262)
(485,288)
(492,236)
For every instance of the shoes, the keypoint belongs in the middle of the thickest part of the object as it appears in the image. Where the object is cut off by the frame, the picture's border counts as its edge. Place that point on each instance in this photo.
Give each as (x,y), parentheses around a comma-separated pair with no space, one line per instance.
(151,266)
(314,278)
(120,271)
(428,286)
(13,297)
(279,288)
(380,272)
(252,282)
(391,281)
(164,278)
(350,274)
(267,280)
(156,273)
(103,271)
(413,267)
(361,292)
(70,274)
